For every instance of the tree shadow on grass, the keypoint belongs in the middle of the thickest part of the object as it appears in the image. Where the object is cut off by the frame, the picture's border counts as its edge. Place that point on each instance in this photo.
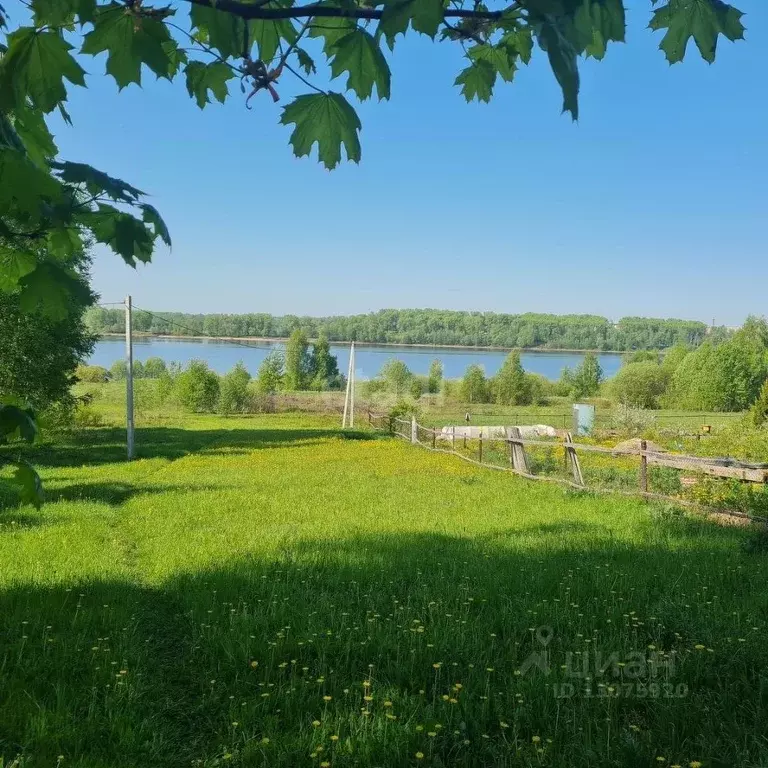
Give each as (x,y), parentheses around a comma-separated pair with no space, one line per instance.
(107,445)
(210,664)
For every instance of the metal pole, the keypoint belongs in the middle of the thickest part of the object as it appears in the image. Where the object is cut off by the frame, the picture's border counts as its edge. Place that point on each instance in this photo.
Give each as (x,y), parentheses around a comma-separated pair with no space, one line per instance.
(128,378)
(346,394)
(352,387)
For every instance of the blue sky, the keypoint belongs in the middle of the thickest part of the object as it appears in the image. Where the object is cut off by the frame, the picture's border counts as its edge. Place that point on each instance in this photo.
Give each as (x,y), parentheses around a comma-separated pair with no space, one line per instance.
(655,203)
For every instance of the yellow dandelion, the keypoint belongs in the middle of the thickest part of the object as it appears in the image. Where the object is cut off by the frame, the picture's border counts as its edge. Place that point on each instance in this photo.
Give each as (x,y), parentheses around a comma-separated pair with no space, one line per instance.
(419,755)
(432,733)
(327,698)
(695,764)
(254,664)
(265,740)
(316,723)
(661,759)
(325,764)
(535,739)
(387,703)
(334,737)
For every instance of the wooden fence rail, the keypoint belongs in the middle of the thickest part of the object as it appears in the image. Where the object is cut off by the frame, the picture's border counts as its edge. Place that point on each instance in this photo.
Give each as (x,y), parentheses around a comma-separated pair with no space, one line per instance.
(519,462)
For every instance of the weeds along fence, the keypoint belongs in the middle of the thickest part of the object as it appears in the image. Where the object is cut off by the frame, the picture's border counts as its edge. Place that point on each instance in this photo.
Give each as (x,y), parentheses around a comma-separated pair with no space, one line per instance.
(728,487)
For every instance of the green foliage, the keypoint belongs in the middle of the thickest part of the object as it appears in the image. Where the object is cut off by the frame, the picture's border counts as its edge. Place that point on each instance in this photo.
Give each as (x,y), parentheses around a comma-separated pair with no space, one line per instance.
(165,387)
(640,384)
(328,120)
(197,387)
(674,356)
(39,354)
(474,386)
(154,368)
(435,377)
(298,363)
(511,386)
(759,411)
(643,356)
(324,367)
(118,370)
(202,78)
(233,391)
(269,378)
(396,376)
(702,20)
(358,54)
(585,380)
(428,326)
(92,374)
(18,424)
(725,377)
(417,387)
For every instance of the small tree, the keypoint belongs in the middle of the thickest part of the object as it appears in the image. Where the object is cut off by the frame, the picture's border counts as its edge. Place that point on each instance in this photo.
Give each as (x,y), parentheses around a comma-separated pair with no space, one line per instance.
(297,362)
(154,367)
(269,378)
(397,376)
(118,370)
(640,384)
(233,391)
(323,366)
(435,377)
(587,377)
(416,387)
(165,386)
(510,385)
(474,385)
(759,411)
(197,388)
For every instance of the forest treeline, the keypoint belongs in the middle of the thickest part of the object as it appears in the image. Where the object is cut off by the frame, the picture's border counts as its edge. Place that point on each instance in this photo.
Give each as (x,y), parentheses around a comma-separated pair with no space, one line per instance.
(425,326)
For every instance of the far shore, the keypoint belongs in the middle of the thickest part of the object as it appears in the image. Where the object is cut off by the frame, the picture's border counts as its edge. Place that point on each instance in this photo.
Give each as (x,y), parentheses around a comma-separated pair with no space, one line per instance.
(283,339)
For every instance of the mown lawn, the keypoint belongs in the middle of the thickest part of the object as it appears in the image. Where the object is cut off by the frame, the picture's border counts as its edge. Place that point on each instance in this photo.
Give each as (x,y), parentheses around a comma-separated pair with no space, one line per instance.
(264,592)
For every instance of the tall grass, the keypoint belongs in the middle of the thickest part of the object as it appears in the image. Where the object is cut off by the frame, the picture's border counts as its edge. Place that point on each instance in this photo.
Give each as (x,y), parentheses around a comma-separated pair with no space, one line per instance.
(265,592)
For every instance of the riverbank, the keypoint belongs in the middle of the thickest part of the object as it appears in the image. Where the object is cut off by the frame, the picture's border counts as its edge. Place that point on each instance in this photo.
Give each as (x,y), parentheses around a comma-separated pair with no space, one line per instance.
(284,339)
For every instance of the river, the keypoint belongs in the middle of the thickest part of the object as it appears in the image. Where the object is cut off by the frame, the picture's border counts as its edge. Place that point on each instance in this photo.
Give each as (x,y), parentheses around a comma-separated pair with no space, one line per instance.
(222,355)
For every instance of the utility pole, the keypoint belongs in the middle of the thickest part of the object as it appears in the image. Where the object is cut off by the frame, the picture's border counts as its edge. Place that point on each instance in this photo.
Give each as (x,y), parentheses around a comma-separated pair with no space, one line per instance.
(349,395)
(352,385)
(129,377)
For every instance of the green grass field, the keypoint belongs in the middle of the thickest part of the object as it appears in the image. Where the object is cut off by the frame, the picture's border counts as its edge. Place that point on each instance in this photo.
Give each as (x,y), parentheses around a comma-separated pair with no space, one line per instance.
(263,591)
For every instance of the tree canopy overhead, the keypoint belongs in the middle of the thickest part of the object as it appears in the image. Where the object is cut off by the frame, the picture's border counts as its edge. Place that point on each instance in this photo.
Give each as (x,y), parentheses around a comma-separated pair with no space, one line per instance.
(247,49)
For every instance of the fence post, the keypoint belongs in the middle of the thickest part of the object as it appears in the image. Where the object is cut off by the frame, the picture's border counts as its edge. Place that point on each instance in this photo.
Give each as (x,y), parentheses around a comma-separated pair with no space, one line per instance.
(643,467)
(434,437)
(480,447)
(414,430)
(453,438)
(574,459)
(370,418)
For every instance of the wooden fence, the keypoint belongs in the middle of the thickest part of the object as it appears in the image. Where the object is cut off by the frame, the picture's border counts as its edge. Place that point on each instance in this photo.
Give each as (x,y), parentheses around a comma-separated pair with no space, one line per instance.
(627,471)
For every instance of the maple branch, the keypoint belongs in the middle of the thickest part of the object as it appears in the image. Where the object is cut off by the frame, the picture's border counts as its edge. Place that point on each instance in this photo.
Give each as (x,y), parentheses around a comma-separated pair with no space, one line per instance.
(255,11)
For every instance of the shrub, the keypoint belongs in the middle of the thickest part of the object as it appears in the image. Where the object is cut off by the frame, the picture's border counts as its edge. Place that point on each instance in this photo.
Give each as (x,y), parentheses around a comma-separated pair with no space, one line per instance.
(640,384)
(233,391)
(628,419)
(474,386)
(197,388)
(92,374)
(165,387)
(154,368)
(417,387)
(119,370)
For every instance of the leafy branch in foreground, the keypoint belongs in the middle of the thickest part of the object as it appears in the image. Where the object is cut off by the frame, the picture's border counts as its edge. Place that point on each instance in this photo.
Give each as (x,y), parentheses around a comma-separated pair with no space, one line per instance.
(18,424)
